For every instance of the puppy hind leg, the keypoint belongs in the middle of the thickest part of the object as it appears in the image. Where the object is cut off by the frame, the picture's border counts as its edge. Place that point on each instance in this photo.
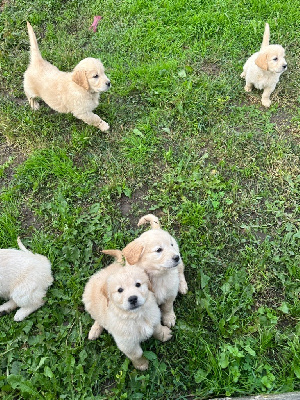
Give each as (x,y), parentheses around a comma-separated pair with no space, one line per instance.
(95,331)
(10,305)
(31,98)
(23,312)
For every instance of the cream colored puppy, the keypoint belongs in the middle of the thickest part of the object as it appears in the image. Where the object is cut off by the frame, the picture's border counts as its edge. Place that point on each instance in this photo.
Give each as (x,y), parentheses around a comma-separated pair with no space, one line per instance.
(118,299)
(24,280)
(74,92)
(263,69)
(157,252)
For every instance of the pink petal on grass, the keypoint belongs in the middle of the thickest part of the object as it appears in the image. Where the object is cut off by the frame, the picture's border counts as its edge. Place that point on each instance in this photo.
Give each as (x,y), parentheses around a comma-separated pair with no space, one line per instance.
(95,22)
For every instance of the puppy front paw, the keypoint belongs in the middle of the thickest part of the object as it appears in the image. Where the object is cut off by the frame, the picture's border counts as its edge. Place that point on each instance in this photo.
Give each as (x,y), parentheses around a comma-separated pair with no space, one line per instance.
(166,334)
(142,363)
(266,102)
(169,319)
(95,331)
(248,88)
(103,126)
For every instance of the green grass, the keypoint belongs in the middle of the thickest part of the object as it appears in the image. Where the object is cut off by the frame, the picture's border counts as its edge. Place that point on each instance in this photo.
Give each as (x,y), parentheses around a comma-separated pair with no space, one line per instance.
(186,143)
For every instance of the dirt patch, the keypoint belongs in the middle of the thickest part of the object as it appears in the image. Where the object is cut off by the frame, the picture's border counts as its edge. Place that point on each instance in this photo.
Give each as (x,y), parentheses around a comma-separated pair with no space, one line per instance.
(6,96)
(136,206)
(271,297)
(29,220)
(3,4)
(211,68)
(11,156)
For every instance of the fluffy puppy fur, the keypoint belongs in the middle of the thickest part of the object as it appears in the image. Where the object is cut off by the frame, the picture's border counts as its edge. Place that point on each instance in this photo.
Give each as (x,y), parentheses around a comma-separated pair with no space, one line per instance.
(74,92)
(157,253)
(24,280)
(263,69)
(118,299)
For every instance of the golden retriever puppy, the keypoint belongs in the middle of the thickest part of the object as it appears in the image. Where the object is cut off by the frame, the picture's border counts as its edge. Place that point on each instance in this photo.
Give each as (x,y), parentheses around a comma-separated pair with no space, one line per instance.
(118,299)
(24,280)
(263,69)
(157,253)
(74,92)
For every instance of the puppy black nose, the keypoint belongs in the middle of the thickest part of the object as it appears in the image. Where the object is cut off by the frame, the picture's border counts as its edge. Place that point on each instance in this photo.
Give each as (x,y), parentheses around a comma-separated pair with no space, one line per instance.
(108,83)
(284,66)
(132,300)
(176,258)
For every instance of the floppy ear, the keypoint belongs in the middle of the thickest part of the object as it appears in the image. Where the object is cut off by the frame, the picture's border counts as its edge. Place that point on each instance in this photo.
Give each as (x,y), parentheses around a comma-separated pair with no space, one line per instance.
(262,61)
(79,77)
(104,293)
(133,252)
(149,282)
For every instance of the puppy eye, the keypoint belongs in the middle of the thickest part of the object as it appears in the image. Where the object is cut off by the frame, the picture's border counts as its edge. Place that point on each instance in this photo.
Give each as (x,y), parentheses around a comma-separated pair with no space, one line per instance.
(120,290)
(172,244)
(96,76)
(138,284)
(275,58)
(159,250)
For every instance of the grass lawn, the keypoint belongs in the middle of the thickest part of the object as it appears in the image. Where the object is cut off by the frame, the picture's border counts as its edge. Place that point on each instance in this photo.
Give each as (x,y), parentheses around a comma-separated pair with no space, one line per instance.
(187,144)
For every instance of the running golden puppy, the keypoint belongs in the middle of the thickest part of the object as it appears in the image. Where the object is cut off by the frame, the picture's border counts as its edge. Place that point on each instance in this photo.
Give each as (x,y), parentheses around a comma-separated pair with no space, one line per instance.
(74,92)
(263,69)
(118,299)
(157,253)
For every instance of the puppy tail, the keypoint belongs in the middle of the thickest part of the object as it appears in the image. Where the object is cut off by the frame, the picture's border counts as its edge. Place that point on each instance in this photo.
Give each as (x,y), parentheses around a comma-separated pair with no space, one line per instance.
(152,219)
(266,38)
(117,254)
(34,48)
(21,246)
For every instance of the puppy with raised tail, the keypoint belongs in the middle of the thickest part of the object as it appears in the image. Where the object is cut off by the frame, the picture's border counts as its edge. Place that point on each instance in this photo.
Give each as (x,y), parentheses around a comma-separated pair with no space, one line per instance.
(75,92)
(118,299)
(24,280)
(263,69)
(156,252)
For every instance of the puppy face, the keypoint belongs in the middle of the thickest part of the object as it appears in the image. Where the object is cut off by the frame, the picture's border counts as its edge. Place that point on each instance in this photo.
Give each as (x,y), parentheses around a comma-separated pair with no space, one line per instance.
(128,290)
(89,74)
(153,249)
(272,59)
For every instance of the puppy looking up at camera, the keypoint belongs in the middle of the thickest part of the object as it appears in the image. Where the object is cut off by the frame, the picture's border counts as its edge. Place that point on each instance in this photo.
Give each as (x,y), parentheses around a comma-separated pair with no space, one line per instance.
(24,280)
(118,299)
(263,69)
(75,92)
(157,253)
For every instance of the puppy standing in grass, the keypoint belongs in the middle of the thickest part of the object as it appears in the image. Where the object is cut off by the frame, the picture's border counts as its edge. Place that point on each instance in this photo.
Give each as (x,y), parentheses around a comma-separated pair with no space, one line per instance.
(118,299)
(263,69)
(157,253)
(74,92)
(24,280)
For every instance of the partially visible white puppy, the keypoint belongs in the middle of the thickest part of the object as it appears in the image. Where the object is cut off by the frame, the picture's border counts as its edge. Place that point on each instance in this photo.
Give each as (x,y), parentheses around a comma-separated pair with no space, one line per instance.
(24,280)
(157,252)
(263,69)
(118,299)
(74,92)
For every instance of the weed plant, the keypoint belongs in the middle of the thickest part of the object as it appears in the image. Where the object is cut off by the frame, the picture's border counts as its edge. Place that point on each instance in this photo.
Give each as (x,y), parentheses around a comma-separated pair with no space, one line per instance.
(186,143)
